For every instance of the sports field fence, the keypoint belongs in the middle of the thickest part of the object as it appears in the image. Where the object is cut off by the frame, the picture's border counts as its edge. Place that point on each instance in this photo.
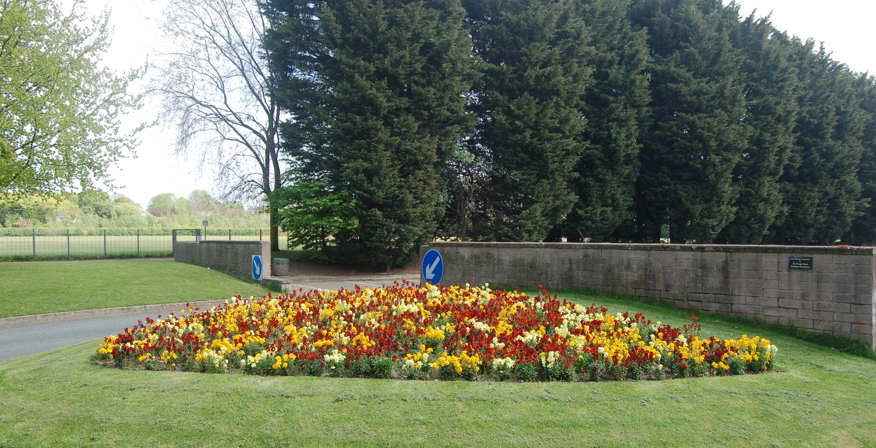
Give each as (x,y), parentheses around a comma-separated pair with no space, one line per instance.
(47,244)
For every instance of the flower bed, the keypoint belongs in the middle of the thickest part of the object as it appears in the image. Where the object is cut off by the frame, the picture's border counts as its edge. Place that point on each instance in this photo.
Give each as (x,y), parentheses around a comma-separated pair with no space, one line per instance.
(406,331)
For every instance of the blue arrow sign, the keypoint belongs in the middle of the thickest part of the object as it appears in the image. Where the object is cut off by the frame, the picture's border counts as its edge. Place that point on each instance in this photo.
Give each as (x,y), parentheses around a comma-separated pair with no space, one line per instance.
(257,267)
(433,267)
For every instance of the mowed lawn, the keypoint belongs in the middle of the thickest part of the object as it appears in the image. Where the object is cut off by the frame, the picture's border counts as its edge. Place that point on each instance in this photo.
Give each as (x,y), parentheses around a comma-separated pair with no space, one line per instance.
(54,286)
(816,397)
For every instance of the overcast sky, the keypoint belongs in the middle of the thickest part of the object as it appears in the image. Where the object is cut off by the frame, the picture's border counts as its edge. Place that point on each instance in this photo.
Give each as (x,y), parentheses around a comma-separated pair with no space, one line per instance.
(843,25)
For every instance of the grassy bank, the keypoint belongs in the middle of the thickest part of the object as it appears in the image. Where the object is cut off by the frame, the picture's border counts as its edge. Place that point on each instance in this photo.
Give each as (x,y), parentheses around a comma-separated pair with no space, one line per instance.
(54,286)
(817,397)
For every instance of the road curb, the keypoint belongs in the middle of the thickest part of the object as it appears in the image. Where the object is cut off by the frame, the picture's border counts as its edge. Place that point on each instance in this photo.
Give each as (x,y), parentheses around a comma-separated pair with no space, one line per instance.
(10,322)
(155,309)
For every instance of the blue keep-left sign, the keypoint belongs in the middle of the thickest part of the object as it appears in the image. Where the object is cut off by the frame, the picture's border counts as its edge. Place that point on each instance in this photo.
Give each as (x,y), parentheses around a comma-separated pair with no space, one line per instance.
(257,267)
(433,267)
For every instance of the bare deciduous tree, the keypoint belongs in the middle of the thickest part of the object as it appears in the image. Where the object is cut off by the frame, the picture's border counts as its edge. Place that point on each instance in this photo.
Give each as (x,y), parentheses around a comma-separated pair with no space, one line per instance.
(216,92)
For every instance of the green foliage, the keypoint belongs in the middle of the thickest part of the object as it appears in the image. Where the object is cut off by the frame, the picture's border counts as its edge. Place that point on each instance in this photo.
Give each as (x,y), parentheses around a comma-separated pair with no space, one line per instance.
(95,209)
(692,145)
(167,204)
(376,93)
(594,120)
(199,203)
(770,110)
(467,202)
(528,102)
(59,129)
(615,106)
(863,229)
(820,184)
(313,214)
(382,367)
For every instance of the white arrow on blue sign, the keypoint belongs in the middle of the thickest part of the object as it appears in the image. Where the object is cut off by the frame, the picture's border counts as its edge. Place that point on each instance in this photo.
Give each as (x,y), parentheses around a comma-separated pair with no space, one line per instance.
(433,267)
(257,267)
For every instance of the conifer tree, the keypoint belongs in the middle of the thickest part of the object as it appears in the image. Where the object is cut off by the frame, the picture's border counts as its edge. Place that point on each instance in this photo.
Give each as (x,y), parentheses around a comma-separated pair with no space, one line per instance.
(863,229)
(692,146)
(528,105)
(615,107)
(376,93)
(770,109)
(820,186)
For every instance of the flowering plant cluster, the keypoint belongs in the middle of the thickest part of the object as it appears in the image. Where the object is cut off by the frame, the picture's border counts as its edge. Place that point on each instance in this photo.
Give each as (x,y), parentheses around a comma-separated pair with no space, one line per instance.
(406,331)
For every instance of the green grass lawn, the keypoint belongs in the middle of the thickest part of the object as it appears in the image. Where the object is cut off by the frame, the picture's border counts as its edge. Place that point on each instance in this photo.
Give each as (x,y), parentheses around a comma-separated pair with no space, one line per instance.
(54,286)
(816,397)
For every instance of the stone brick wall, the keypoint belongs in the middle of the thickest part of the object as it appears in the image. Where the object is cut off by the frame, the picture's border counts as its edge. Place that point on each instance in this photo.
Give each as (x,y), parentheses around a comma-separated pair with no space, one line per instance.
(831,290)
(230,256)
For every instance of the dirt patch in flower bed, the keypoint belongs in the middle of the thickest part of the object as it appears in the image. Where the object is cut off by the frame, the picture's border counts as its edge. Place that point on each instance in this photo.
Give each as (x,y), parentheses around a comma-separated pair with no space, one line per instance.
(413,332)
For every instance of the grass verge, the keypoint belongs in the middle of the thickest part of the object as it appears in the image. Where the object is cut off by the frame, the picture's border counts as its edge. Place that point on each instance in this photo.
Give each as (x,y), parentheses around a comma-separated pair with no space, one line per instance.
(841,343)
(817,397)
(55,286)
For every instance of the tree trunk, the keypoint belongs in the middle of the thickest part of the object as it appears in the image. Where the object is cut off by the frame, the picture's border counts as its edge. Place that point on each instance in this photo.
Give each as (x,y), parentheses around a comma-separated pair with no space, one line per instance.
(275,232)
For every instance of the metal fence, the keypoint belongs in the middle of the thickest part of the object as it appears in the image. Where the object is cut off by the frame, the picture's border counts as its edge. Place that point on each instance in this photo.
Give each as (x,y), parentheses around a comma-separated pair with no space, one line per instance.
(24,244)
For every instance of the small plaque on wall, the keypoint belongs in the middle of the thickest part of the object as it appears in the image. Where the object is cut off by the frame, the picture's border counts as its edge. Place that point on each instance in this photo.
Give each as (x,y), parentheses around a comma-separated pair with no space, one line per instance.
(800,263)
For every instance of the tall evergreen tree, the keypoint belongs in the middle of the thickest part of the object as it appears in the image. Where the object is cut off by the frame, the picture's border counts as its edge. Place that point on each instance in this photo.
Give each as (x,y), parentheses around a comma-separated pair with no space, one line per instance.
(820,186)
(863,229)
(770,109)
(615,106)
(376,90)
(528,103)
(692,146)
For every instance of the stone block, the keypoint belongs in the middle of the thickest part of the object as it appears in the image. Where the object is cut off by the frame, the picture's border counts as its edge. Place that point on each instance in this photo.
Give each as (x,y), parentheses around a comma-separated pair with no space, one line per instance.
(788,313)
(747,310)
(769,276)
(853,318)
(833,287)
(774,320)
(864,329)
(713,307)
(682,303)
(762,301)
(836,307)
(864,285)
(787,294)
(804,324)
(769,258)
(859,299)
(817,315)
(746,275)
(728,298)
(862,309)
(748,290)
(808,294)
(716,289)
(790,303)
(843,278)
(700,296)
(770,292)
(832,327)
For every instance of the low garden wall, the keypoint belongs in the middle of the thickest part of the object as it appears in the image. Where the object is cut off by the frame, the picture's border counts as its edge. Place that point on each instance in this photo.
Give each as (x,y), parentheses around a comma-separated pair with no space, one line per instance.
(231,256)
(818,289)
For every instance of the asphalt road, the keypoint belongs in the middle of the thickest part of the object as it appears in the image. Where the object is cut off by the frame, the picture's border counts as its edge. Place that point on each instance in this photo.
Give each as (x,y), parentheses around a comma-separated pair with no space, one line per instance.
(24,339)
